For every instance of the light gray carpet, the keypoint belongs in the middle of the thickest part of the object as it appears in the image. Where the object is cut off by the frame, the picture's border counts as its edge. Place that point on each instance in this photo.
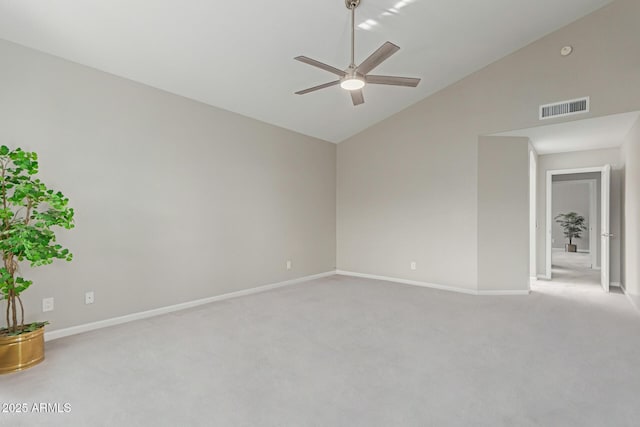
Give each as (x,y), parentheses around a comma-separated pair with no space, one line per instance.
(573,268)
(351,352)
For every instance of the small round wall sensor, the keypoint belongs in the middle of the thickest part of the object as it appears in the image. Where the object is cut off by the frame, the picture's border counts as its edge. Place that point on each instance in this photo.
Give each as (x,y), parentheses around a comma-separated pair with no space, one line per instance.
(566,51)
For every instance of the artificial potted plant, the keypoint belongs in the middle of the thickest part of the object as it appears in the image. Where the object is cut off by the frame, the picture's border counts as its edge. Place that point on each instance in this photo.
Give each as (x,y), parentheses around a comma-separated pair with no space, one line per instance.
(573,226)
(28,213)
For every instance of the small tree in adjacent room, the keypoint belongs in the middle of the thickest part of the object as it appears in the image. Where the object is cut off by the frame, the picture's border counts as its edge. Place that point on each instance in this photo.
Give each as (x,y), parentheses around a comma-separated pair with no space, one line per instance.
(573,226)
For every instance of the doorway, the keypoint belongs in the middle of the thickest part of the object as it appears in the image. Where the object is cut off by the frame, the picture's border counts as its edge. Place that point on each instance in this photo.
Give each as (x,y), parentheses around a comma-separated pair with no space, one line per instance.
(578,254)
(576,194)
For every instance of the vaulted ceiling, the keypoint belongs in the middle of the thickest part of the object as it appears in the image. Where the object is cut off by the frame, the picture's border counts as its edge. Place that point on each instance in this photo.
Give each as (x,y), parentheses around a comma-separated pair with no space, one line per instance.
(238,55)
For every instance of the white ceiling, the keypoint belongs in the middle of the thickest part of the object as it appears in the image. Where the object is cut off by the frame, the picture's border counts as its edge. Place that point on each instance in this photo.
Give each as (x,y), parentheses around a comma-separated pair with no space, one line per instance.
(238,55)
(579,135)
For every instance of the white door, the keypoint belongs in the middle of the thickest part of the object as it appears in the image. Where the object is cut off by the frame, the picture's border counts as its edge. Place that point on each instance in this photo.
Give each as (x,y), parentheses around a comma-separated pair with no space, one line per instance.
(606,230)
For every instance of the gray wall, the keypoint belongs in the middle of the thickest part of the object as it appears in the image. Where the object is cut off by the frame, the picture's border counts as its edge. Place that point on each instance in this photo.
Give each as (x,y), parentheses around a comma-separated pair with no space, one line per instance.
(503,213)
(582,159)
(407,187)
(175,200)
(631,222)
(571,197)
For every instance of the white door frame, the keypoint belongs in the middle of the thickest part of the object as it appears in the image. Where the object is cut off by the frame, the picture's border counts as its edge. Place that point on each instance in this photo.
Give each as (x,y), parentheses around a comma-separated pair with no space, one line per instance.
(549,225)
(533,212)
(605,227)
(594,232)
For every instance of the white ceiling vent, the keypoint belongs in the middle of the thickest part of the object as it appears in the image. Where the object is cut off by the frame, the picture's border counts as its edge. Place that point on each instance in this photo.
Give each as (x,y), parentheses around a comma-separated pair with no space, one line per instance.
(564,108)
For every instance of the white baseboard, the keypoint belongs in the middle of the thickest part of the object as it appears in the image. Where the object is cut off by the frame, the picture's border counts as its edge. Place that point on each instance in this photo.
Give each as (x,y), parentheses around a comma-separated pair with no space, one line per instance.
(580,251)
(616,284)
(60,333)
(634,300)
(73,330)
(409,282)
(543,277)
(506,292)
(433,285)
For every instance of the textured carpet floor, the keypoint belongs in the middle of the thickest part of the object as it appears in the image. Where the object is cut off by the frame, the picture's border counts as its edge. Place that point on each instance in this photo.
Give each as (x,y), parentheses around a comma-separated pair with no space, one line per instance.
(573,268)
(351,352)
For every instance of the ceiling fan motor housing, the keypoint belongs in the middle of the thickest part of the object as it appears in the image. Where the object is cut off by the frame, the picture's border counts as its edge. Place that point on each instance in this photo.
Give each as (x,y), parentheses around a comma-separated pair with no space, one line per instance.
(352,73)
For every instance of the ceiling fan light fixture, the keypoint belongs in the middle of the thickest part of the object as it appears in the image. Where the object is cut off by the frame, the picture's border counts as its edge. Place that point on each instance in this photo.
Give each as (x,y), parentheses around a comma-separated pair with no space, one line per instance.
(352,83)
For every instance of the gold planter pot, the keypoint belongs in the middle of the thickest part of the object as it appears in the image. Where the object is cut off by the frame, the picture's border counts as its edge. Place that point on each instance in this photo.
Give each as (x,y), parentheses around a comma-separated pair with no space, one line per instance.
(21,351)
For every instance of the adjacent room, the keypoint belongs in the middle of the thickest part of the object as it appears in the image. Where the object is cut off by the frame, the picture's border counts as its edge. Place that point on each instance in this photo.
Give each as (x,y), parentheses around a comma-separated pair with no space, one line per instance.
(575,245)
(320,213)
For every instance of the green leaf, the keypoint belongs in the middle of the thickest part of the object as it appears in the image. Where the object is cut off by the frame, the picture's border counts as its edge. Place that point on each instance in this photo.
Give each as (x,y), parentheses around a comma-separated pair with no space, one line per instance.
(30,213)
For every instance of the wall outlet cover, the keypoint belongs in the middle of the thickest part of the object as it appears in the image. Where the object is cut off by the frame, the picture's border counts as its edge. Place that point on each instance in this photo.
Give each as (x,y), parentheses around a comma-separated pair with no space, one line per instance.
(89,297)
(47,304)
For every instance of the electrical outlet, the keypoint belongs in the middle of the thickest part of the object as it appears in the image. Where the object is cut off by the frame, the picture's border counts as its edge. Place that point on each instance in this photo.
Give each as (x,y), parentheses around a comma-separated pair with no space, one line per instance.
(414,265)
(47,304)
(288,264)
(88,297)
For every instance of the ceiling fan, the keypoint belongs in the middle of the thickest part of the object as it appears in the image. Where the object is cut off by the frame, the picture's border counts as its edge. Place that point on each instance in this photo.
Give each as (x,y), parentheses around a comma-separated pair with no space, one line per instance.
(355,77)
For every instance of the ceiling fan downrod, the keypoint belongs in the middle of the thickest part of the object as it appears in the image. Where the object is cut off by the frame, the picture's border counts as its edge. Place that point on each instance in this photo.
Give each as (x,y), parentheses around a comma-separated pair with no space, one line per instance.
(351,5)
